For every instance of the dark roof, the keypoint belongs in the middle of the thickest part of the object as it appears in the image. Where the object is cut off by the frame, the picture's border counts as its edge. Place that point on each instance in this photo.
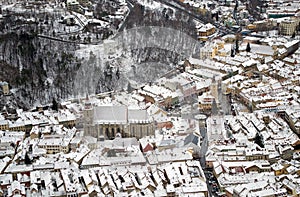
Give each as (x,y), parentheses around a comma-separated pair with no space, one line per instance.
(191,138)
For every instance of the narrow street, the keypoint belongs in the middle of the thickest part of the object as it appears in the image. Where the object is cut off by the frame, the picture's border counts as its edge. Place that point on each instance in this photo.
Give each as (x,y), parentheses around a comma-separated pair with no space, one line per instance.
(204,147)
(208,174)
(195,15)
(131,5)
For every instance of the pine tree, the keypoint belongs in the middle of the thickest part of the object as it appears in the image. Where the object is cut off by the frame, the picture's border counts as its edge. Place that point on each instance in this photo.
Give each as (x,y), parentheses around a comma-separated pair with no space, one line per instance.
(232,52)
(129,87)
(294,35)
(27,159)
(217,16)
(259,140)
(251,106)
(236,5)
(237,45)
(54,105)
(118,73)
(248,48)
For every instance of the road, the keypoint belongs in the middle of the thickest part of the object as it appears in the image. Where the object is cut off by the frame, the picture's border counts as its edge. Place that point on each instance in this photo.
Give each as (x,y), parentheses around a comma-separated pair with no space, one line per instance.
(190,112)
(204,148)
(131,5)
(82,28)
(196,16)
(251,6)
(208,174)
(57,39)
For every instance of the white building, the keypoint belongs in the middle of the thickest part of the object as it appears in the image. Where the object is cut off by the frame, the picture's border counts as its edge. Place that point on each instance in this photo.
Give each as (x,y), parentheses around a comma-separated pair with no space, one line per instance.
(110,121)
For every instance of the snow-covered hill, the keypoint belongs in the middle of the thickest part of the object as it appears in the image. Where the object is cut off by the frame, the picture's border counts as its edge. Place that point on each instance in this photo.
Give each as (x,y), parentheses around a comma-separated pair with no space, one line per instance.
(152,41)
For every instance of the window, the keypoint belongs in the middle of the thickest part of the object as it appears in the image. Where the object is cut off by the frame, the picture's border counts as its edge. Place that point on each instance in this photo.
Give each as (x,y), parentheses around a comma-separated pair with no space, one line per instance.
(113,132)
(133,131)
(106,132)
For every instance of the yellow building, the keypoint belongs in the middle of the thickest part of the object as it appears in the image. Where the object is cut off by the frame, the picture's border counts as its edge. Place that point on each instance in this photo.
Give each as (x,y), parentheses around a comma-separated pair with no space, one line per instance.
(229,38)
(17,127)
(278,169)
(73,5)
(4,125)
(204,31)
(208,51)
(214,89)
(251,27)
(5,88)
(220,44)
(265,25)
(205,102)
(55,144)
(223,53)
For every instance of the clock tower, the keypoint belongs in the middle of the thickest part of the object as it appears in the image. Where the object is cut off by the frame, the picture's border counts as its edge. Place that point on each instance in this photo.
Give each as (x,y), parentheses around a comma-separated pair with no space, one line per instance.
(214,89)
(88,116)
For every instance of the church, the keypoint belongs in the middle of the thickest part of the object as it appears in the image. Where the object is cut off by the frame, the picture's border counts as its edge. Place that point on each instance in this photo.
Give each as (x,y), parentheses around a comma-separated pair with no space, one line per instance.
(110,121)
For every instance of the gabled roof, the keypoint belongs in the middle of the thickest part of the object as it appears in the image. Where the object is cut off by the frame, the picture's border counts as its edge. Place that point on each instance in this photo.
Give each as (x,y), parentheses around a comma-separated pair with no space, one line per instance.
(137,115)
(119,114)
(110,114)
(191,138)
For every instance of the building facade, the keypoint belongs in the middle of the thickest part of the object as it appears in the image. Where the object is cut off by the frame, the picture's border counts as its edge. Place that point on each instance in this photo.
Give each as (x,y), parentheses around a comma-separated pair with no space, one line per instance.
(107,122)
(288,26)
(5,87)
(54,144)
